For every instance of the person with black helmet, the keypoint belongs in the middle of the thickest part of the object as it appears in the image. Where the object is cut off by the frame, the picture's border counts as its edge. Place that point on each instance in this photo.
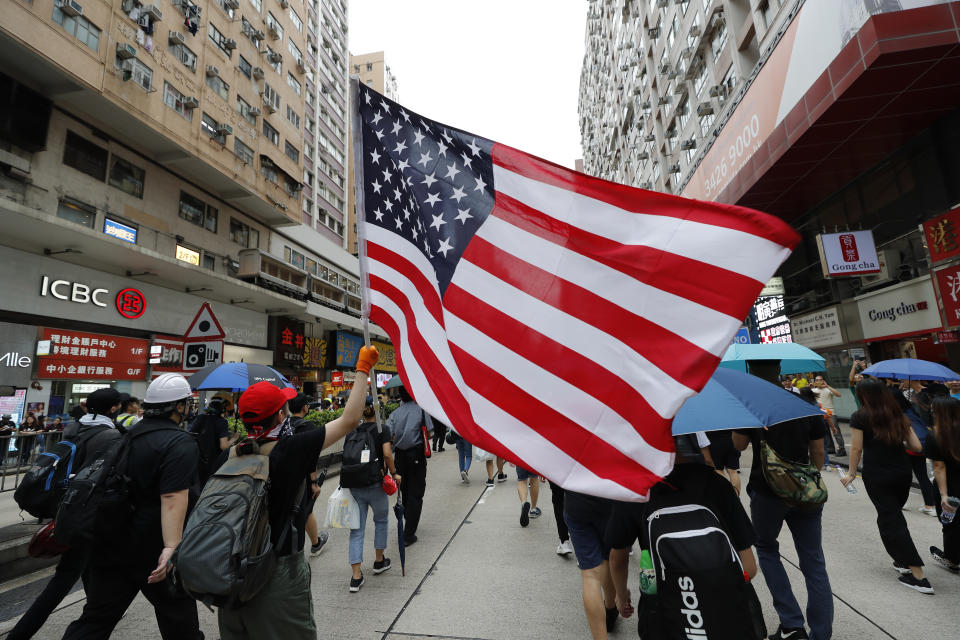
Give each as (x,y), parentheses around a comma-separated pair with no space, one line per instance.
(162,466)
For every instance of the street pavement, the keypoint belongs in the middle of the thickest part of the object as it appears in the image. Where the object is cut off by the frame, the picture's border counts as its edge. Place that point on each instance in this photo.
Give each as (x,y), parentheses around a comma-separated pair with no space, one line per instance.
(475,574)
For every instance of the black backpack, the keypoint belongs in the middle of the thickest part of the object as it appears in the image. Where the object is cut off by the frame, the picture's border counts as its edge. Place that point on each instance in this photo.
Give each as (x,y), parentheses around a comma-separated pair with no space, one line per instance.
(97,501)
(357,469)
(44,483)
(202,429)
(702,590)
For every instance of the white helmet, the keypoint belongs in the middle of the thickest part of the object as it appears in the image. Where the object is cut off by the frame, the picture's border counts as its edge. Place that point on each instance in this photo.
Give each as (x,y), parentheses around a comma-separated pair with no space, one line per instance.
(168,388)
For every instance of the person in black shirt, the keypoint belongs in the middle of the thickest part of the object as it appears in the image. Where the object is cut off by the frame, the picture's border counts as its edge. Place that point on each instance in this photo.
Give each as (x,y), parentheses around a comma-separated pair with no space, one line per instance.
(882,433)
(943,447)
(283,608)
(212,433)
(801,441)
(162,466)
(298,411)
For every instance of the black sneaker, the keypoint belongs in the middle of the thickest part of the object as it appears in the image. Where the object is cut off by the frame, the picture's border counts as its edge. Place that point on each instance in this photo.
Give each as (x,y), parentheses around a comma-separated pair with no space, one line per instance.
(409,541)
(381,566)
(356,583)
(525,514)
(943,561)
(922,585)
(790,634)
(489,482)
(612,619)
(322,538)
(901,569)
(501,477)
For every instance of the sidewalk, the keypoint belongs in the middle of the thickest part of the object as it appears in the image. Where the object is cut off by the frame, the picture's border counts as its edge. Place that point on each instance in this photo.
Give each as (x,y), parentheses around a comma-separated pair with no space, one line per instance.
(476,574)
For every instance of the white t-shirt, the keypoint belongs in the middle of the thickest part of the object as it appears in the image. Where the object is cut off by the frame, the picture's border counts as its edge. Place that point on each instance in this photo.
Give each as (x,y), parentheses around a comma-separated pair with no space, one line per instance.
(824,397)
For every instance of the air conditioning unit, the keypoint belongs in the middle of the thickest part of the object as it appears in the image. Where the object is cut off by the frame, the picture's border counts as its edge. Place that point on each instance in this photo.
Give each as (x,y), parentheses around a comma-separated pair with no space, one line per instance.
(654,32)
(645,185)
(259,34)
(231,4)
(645,104)
(70,7)
(273,31)
(175,37)
(674,168)
(126,69)
(126,51)
(229,43)
(273,57)
(302,68)
(717,91)
(686,145)
(258,73)
(643,155)
(152,11)
(704,109)
(649,137)
(285,4)
(212,71)
(254,111)
(247,29)
(190,103)
(662,3)
(268,105)
(224,129)
(665,67)
(665,100)
(694,31)
(687,52)
(889,266)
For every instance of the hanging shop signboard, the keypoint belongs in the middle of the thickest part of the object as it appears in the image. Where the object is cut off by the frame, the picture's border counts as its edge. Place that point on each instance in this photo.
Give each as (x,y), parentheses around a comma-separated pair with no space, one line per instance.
(851,253)
(943,236)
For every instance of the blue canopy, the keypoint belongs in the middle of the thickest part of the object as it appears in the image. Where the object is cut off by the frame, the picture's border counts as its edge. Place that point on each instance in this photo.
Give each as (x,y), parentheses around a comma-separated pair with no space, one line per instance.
(793,357)
(910,369)
(735,400)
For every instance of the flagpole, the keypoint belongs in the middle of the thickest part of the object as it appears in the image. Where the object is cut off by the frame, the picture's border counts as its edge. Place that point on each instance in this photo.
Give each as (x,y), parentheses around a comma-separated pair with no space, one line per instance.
(356,131)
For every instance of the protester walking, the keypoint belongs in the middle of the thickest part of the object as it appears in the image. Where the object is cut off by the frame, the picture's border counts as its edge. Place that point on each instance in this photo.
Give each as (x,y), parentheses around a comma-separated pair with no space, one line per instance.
(283,608)
(464,457)
(318,539)
(365,481)
(920,421)
(528,483)
(406,425)
(943,447)
(212,434)
(825,396)
(880,434)
(800,441)
(439,434)
(162,467)
(586,518)
(556,497)
(95,434)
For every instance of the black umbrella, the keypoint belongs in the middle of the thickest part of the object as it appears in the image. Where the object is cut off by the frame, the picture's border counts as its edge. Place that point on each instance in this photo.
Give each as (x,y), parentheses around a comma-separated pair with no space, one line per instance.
(402,547)
(236,376)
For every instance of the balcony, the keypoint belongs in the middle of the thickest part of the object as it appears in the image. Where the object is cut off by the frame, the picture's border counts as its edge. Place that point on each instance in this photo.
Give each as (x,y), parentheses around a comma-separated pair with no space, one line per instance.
(310,110)
(308,136)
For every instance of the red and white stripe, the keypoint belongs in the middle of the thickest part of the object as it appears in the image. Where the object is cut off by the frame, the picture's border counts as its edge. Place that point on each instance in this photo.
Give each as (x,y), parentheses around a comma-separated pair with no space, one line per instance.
(580,317)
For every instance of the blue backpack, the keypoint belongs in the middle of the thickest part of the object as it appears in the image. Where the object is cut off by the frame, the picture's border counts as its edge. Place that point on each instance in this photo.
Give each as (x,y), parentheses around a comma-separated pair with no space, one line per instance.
(42,487)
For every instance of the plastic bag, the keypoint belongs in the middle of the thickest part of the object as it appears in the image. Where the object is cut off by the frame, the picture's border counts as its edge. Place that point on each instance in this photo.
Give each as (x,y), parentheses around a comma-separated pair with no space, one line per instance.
(343,512)
(479,455)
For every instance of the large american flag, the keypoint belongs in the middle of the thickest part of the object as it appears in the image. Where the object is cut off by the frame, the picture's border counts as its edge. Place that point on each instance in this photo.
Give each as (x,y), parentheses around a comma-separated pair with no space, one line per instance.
(552,318)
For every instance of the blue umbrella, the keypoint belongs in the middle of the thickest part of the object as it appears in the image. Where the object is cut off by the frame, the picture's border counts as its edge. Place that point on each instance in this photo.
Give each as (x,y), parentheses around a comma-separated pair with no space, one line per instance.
(734,400)
(910,369)
(236,376)
(793,357)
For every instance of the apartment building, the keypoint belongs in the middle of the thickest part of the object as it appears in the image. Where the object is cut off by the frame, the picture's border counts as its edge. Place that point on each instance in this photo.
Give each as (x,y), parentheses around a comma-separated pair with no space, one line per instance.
(373,71)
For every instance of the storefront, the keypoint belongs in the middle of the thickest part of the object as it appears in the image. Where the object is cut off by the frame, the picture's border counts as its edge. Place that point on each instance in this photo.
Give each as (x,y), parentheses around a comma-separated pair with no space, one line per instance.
(51,300)
(17,342)
(903,321)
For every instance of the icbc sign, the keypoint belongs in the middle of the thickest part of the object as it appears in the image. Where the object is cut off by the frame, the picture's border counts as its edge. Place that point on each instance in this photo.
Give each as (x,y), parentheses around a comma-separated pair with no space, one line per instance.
(130,302)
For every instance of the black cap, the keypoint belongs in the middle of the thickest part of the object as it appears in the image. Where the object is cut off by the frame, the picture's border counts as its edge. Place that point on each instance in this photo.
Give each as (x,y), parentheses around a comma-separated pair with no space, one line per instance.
(102,401)
(298,402)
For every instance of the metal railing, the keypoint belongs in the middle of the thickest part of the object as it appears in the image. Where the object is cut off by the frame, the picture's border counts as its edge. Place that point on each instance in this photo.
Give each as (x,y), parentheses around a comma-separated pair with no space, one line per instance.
(19,451)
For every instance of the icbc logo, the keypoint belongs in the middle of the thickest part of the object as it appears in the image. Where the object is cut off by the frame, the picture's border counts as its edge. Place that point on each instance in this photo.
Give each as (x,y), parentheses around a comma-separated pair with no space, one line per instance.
(131,303)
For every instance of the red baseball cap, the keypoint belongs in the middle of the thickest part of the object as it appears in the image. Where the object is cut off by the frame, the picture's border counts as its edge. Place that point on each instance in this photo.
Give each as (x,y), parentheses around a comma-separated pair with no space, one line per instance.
(262,400)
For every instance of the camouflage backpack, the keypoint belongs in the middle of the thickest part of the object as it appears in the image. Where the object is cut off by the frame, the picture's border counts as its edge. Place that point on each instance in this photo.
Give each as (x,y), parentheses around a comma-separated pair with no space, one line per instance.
(796,483)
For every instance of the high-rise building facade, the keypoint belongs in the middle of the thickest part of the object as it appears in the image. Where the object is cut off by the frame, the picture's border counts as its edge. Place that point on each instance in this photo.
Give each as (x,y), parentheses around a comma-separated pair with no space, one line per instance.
(373,71)
(839,116)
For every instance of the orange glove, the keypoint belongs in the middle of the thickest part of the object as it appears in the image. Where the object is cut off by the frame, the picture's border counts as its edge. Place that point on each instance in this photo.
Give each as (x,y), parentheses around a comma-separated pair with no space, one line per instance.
(367,357)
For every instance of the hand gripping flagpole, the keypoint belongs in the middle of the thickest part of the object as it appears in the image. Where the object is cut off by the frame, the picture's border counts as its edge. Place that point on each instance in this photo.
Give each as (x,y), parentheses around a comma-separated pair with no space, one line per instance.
(356,131)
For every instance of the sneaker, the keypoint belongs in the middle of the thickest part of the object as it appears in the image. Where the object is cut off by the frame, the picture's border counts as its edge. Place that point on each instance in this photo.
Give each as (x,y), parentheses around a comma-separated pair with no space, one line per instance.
(315,549)
(409,541)
(525,514)
(922,585)
(943,561)
(356,583)
(564,548)
(535,512)
(901,569)
(463,478)
(501,477)
(930,511)
(381,566)
(789,634)
(612,615)
(489,482)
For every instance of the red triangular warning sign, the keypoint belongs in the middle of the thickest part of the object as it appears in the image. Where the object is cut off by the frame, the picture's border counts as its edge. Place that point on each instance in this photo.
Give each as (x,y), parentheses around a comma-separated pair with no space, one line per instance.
(204,326)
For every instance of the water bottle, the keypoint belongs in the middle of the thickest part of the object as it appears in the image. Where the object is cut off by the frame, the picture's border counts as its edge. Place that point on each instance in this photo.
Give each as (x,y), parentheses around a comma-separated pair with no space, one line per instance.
(648,576)
(946,517)
(850,488)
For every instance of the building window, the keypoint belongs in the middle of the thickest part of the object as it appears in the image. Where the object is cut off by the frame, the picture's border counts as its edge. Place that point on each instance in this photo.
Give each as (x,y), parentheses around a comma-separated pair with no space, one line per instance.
(220,87)
(295,52)
(175,100)
(83,155)
(79,27)
(700,80)
(78,212)
(245,67)
(219,39)
(134,69)
(270,95)
(258,5)
(297,259)
(271,134)
(684,5)
(278,64)
(208,260)
(212,128)
(243,235)
(242,151)
(369,66)
(184,55)
(730,81)
(295,19)
(243,108)
(276,26)
(719,39)
(196,211)
(293,83)
(705,123)
(127,177)
(293,117)
(228,10)
(269,170)
(291,151)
